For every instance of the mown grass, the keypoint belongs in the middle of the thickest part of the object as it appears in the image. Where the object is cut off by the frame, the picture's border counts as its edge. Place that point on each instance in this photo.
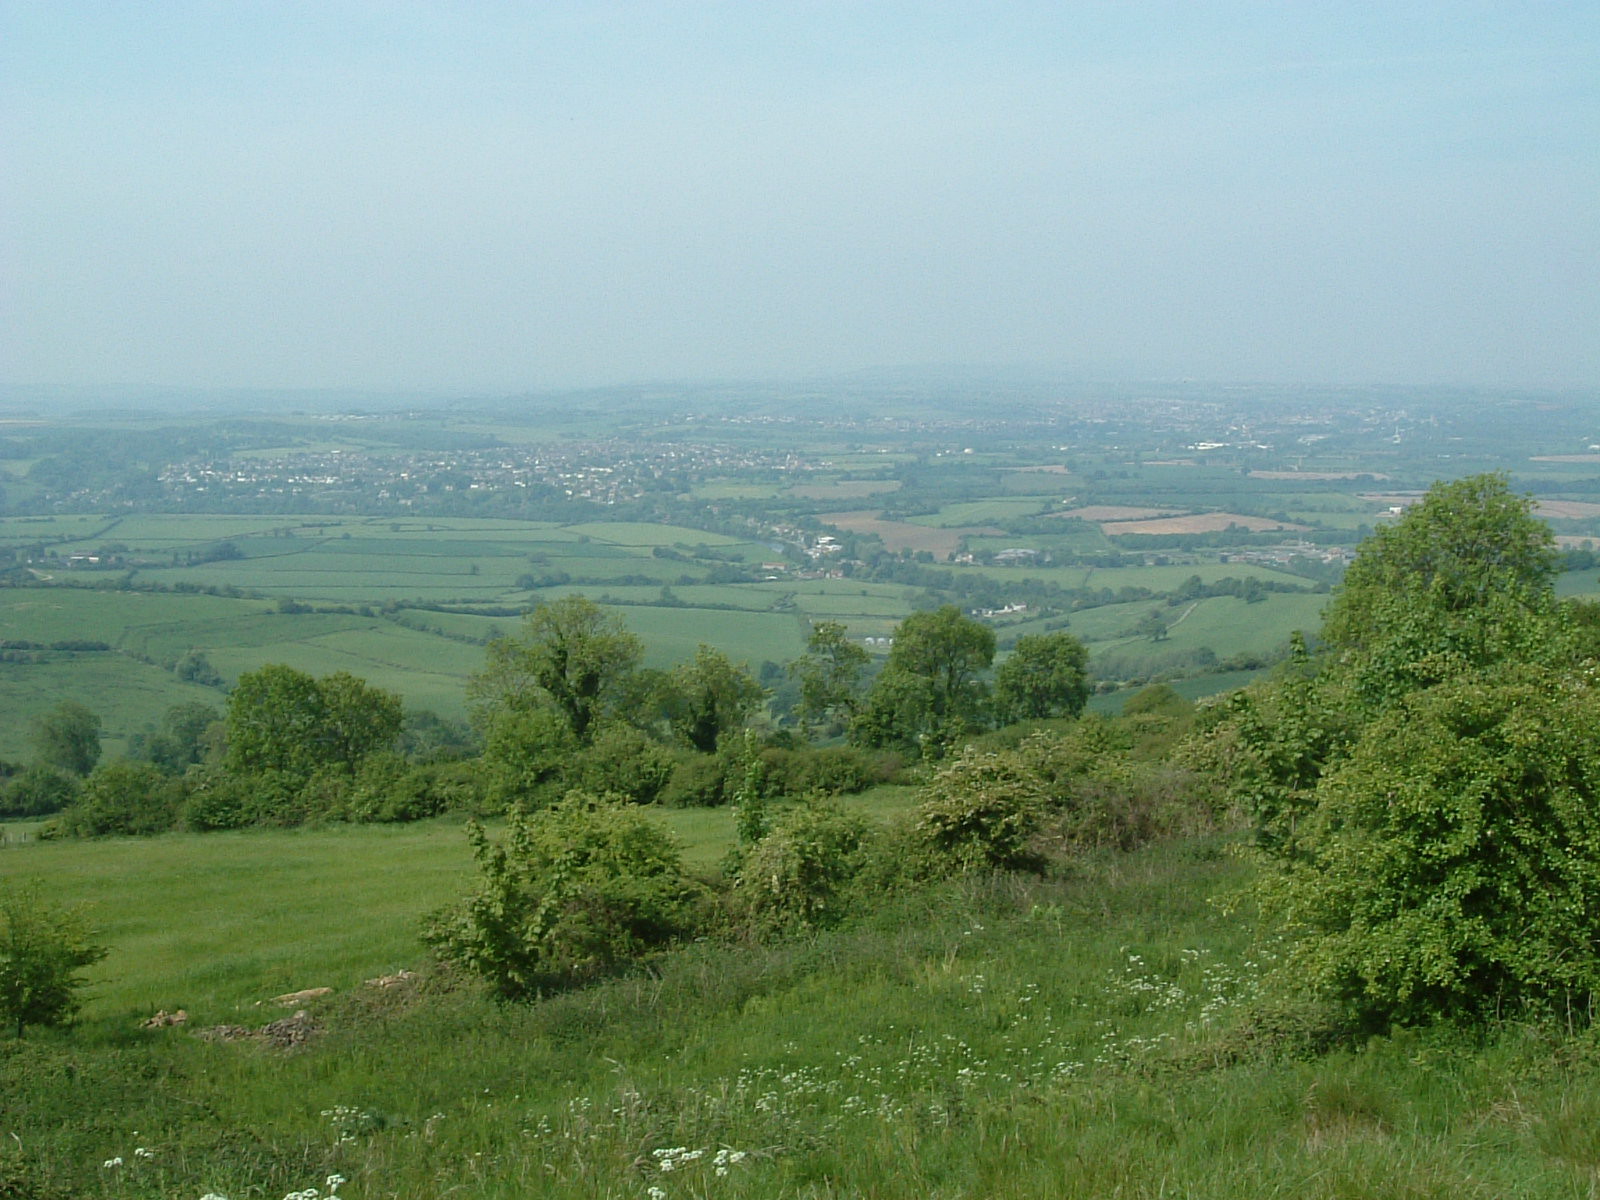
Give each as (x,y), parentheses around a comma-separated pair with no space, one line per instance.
(1094,1033)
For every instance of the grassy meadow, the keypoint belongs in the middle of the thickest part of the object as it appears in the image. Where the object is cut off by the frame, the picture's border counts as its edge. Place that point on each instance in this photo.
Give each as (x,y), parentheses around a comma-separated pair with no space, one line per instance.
(1096,1032)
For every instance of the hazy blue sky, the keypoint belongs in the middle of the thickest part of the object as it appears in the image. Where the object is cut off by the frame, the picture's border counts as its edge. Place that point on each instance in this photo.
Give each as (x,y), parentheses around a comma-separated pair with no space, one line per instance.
(390,194)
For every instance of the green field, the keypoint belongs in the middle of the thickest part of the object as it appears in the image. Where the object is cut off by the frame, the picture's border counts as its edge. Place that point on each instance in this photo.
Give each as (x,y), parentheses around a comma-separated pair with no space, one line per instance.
(128,697)
(365,564)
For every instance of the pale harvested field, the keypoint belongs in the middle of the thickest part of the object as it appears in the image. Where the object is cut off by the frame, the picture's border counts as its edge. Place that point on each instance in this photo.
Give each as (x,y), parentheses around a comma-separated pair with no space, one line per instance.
(1567,458)
(902,535)
(1200,523)
(1567,510)
(1317,475)
(1115,512)
(1044,469)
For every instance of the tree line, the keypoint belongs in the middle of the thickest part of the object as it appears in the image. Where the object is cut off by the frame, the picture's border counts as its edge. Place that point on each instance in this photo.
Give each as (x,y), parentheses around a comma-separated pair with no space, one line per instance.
(564,702)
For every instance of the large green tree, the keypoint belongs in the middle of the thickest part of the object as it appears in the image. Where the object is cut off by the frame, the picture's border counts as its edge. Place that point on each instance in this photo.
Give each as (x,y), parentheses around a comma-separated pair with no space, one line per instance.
(284,720)
(1045,675)
(570,654)
(830,674)
(710,697)
(1460,582)
(1428,791)
(68,737)
(182,738)
(931,690)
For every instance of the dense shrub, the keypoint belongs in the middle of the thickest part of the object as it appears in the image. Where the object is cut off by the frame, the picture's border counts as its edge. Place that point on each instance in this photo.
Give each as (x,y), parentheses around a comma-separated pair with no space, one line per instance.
(980,812)
(798,875)
(123,798)
(1098,795)
(1451,866)
(699,781)
(623,761)
(571,892)
(42,949)
(37,792)
(526,756)
(834,770)
(218,799)
(388,788)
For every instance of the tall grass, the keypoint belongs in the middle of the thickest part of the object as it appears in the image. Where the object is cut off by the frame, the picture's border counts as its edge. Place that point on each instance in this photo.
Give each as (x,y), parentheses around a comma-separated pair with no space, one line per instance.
(1096,1033)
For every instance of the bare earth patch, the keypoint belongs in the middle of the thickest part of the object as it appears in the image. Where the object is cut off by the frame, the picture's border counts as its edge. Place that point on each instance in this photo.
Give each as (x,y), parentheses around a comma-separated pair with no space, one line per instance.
(1199,523)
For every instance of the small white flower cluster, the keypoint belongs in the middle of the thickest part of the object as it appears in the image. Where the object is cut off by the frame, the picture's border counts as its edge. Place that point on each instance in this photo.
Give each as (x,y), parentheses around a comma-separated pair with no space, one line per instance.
(331,1183)
(675,1157)
(344,1120)
(111,1164)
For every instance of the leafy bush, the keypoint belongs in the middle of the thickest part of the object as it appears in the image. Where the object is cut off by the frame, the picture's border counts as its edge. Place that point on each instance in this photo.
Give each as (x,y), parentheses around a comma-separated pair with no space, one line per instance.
(623,761)
(797,876)
(1099,796)
(980,811)
(37,792)
(42,949)
(123,798)
(388,788)
(1267,746)
(698,781)
(527,754)
(572,892)
(834,770)
(218,799)
(1451,866)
